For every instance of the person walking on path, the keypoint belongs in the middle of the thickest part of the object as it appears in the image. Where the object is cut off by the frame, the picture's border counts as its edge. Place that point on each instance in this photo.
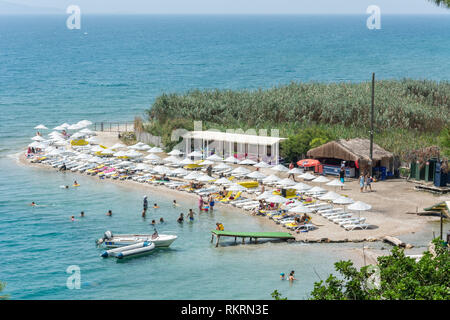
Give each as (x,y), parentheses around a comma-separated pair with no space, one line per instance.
(291,166)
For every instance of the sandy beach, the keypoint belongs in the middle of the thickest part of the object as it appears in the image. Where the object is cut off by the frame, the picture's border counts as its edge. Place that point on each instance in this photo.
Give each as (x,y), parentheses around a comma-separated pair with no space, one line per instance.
(394,204)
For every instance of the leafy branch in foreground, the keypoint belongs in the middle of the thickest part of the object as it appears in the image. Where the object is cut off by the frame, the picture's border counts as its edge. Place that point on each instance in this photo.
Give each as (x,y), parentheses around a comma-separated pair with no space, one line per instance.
(2,286)
(399,278)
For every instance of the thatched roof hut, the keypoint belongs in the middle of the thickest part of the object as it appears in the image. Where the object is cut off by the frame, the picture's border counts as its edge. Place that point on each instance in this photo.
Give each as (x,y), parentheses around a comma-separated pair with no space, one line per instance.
(357,150)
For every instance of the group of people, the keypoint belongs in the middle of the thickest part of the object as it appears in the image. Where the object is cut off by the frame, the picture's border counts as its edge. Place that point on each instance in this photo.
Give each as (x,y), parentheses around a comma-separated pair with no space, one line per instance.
(290,278)
(365,181)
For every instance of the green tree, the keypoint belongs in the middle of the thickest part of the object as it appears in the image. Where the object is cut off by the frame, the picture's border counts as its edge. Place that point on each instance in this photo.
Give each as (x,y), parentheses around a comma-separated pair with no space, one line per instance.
(2,286)
(277,296)
(296,146)
(399,278)
(444,140)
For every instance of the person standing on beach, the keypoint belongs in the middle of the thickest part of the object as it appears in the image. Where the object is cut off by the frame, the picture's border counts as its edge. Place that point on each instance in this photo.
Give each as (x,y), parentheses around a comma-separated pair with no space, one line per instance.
(341,176)
(368,182)
(361,182)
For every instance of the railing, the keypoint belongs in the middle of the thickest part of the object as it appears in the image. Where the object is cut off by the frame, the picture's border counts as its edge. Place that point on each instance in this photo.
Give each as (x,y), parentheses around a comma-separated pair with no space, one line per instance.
(114,126)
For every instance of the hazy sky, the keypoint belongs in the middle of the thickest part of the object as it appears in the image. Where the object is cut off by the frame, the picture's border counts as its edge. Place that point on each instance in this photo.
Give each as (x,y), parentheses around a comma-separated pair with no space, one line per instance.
(239,6)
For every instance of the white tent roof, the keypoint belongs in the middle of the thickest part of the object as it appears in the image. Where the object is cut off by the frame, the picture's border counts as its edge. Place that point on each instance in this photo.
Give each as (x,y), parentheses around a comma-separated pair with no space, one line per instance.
(233,137)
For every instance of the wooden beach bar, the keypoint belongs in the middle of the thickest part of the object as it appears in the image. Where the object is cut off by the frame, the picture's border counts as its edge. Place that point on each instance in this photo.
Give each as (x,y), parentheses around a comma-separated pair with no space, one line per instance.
(250,235)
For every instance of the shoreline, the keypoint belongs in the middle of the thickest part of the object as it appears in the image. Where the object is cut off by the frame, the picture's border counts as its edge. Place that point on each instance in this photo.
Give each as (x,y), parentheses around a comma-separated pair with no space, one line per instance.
(327,232)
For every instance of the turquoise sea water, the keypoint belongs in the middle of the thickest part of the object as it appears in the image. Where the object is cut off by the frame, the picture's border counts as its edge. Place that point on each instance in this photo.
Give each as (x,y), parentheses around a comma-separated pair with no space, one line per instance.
(112,69)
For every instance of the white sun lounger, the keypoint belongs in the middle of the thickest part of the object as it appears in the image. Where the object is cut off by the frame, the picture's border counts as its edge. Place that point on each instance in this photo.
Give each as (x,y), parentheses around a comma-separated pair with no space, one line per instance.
(362,226)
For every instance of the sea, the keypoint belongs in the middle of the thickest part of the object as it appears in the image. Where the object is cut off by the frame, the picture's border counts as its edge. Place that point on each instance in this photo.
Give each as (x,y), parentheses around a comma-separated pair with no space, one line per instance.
(112,69)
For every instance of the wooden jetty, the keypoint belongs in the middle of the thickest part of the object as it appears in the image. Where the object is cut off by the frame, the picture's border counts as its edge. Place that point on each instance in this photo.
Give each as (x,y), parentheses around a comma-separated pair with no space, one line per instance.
(251,235)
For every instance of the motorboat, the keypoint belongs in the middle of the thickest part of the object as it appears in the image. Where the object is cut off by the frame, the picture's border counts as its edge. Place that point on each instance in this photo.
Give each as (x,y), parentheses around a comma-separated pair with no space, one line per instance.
(118,240)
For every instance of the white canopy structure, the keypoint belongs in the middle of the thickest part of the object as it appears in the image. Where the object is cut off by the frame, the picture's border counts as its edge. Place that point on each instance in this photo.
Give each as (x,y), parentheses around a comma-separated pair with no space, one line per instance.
(226,143)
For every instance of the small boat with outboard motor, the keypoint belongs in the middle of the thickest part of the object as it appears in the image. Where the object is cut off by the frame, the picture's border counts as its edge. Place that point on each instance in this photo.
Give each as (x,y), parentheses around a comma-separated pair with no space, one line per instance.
(132,250)
(111,240)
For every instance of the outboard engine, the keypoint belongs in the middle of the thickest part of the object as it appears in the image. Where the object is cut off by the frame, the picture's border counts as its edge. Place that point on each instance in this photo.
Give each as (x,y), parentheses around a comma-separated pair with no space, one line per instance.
(108,235)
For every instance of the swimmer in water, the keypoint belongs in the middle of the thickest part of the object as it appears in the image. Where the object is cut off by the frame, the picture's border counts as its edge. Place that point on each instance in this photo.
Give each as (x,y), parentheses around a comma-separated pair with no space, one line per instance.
(191,215)
(291,276)
(180,218)
(161,220)
(82,214)
(73,218)
(153,222)
(155,206)
(282,276)
(175,204)
(109,213)
(33,204)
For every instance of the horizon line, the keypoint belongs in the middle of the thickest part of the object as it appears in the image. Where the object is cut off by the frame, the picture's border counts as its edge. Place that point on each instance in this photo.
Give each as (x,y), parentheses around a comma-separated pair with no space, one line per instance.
(219,14)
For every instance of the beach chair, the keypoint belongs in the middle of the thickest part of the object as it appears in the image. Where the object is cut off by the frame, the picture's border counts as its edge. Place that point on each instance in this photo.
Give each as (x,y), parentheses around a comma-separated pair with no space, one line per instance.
(362,226)
(235,197)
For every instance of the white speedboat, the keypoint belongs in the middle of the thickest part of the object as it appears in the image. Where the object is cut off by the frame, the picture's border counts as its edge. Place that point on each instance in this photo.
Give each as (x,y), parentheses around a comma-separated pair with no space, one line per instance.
(118,240)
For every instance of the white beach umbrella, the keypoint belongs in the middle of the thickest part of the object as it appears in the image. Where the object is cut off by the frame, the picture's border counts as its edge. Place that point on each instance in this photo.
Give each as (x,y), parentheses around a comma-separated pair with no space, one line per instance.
(301,187)
(280,168)
(155,150)
(180,171)
(142,166)
(59,128)
(206,162)
(331,195)
(78,135)
(287,182)
(320,179)
(249,162)
(41,127)
(171,159)
(93,140)
(222,166)
(60,142)
(38,138)
(214,157)
(335,183)
(118,146)
(307,176)
(240,170)
(186,161)
(65,125)
(231,159)
(262,164)
(55,152)
(84,123)
(37,144)
(195,154)
(133,154)
(316,190)
(295,171)
(359,206)
(265,195)
(236,187)
(175,152)
(256,175)
(222,181)
(88,132)
(271,178)
(75,127)
(277,199)
(205,178)
(152,157)
(192,176)
(343,200)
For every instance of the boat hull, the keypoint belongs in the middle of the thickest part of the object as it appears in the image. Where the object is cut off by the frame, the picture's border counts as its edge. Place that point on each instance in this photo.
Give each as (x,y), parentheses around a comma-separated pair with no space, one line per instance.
(126,240)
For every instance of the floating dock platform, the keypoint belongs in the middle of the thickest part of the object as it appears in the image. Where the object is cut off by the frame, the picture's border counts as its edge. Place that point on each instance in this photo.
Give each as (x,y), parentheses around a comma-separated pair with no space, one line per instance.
(250,235)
